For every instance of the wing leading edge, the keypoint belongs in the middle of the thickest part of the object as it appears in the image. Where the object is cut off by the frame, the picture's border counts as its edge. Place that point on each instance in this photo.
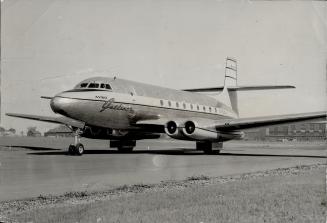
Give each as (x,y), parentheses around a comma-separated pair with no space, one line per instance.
(240,88)
(56,120)
(247,123)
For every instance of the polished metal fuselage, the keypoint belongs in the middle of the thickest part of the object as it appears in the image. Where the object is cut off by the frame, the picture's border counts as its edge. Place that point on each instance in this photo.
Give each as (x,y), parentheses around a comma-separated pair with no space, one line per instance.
(128,102)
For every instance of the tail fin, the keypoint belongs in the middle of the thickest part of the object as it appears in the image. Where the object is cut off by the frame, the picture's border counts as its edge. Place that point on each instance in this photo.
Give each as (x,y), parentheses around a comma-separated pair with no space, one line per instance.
(230,72)
(226,96)
(229,91)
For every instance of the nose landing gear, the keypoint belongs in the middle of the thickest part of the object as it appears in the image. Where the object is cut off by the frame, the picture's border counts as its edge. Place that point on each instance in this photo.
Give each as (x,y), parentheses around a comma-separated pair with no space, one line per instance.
(77,148)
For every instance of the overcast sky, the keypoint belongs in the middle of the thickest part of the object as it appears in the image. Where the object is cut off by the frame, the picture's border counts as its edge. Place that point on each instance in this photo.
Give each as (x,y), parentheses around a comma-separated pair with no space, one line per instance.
(48,46)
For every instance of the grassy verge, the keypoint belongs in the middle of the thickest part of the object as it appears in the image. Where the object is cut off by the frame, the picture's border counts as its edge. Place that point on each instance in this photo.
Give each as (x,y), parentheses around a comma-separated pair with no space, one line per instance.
(284,195)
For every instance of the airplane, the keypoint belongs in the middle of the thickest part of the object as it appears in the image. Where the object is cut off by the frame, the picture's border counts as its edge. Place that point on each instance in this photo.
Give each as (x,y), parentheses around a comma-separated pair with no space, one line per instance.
(125,111)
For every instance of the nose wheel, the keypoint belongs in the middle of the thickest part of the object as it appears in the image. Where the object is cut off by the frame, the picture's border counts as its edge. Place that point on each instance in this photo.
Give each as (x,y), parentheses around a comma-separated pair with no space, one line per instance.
(77,148)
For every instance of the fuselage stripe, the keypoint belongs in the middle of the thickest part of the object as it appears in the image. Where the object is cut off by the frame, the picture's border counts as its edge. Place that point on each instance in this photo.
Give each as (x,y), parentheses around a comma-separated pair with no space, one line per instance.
(127,103)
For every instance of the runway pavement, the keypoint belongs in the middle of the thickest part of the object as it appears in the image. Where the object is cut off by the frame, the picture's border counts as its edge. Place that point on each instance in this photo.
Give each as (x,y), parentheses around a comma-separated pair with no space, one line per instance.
(33,166)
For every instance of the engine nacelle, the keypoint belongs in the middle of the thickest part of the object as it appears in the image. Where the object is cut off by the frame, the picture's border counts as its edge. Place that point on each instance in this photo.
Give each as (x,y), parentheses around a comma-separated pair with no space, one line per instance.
(192,130)
(93,132)
(119,133)
(174,130)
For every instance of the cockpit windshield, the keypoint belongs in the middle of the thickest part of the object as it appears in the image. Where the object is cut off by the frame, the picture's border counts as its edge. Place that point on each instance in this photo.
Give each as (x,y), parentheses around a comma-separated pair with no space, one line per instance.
(83,85)
(94,85)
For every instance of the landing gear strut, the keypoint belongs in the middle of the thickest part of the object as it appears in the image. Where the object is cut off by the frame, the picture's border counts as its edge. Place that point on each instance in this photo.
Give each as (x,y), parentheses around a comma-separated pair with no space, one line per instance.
(77,148)
(209,147)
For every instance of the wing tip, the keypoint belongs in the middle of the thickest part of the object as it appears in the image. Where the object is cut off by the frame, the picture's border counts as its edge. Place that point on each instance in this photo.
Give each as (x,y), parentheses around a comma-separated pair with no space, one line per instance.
(10,114)
(46,97)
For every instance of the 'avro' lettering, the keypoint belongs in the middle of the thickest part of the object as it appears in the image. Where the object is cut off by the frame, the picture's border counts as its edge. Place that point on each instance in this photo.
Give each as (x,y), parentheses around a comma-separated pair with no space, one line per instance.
(110,104)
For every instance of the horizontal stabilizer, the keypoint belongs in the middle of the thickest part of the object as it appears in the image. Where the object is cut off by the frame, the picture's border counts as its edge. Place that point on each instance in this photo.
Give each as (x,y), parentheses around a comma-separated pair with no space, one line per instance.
(57,120)
(241,88)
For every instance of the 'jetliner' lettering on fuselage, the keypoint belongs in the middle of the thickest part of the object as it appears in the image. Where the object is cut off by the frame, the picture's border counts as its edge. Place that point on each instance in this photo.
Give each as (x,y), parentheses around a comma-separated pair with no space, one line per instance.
(110,104)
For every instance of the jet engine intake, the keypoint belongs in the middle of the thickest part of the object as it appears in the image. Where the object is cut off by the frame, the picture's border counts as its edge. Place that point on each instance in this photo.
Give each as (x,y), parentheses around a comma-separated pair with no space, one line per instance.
(174,130)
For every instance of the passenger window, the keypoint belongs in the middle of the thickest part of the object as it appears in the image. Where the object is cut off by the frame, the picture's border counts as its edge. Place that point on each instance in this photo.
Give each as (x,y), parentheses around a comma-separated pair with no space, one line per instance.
(191,107)
(177,105)
(161,102)
(169,103)
(184,105)
(216,110)
(209,109)
(204,108)
(83,85)
(94,85)
(198,107)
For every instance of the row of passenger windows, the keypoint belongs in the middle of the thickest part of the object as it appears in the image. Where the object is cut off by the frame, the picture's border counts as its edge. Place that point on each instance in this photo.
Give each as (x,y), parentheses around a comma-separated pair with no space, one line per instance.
(95,85)
(188,106)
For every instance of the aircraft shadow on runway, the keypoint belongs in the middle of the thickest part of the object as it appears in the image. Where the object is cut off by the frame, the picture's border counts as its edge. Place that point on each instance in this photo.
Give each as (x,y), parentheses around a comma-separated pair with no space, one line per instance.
(178,151)
(31,147)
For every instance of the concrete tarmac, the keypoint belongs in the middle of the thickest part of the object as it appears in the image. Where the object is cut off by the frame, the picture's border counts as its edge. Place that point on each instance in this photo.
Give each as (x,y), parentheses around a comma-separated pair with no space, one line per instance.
(30,167)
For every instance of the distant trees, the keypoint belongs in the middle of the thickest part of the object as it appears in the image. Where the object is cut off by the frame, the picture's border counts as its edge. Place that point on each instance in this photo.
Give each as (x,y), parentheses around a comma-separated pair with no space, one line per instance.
(12,130)
(4,132)
(32,132)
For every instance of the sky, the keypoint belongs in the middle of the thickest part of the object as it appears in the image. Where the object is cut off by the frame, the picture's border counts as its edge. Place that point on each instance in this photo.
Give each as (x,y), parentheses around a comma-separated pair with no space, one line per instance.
(49,46)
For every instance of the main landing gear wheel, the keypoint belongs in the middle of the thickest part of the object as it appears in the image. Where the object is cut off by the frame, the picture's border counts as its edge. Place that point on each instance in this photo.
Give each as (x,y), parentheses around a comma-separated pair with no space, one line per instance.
(209,147)
(124,146)
(127,149)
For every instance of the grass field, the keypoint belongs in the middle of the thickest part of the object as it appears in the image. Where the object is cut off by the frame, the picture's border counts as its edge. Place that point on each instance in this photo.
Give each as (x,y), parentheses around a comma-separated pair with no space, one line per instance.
(285,195)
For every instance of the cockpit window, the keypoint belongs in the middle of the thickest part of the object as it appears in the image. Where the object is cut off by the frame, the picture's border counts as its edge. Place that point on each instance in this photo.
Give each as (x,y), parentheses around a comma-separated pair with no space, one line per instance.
(94,85)
(83,85)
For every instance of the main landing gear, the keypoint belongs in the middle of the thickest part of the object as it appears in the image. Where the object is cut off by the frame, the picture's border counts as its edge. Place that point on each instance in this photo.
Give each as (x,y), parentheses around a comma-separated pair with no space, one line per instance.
(209,147)
(123,145)
(77,148)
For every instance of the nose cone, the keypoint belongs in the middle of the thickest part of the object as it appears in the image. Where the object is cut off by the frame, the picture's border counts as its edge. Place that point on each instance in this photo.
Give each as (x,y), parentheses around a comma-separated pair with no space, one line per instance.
(59,105)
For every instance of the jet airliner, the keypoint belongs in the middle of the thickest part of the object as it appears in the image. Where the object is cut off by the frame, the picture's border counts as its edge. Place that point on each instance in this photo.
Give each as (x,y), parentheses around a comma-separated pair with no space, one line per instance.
(124,111)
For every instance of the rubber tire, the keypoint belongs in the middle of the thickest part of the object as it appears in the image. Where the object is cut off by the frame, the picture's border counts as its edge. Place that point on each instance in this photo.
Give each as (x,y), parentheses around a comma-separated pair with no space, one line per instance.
(208,151)
(71,149)
(211,152)
(79,149)
(126,149)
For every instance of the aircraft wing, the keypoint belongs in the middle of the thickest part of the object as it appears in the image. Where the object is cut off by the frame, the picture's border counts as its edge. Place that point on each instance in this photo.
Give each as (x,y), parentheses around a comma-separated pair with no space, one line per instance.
(256,122)
(57,120)
(244,123)
(240,88)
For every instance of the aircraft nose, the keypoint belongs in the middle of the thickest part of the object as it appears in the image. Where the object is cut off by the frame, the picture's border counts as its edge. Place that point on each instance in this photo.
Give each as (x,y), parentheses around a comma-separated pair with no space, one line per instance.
(58,105)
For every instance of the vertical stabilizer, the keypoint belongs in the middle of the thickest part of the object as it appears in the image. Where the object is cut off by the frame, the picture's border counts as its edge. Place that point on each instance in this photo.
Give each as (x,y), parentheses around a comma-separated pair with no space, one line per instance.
(230,97)
(230,72)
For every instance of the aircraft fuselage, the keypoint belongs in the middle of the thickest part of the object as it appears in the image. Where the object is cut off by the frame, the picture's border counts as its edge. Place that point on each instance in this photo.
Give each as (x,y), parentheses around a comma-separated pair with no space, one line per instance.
(126,102)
